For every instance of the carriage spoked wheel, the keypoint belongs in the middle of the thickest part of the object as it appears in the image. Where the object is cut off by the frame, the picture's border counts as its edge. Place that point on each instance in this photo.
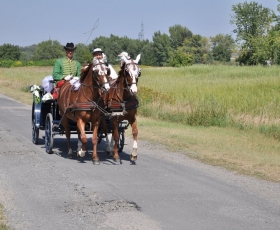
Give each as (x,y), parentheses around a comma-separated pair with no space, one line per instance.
(49,133)
(35,132)
(121,142)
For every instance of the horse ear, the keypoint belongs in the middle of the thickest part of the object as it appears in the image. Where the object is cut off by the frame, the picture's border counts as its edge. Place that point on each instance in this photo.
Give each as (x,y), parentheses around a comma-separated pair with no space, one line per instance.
(138,58)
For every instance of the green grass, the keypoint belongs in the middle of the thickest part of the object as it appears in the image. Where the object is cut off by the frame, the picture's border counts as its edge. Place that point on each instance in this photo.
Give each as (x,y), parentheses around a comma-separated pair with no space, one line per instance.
(212,95)
(3,225)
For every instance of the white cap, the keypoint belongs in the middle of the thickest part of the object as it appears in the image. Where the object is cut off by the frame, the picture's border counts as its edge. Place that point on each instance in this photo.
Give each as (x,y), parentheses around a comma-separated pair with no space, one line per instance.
(97,50)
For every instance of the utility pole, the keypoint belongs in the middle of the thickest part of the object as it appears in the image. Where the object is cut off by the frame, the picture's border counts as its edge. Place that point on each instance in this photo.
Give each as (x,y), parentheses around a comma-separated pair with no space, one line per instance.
(141,33)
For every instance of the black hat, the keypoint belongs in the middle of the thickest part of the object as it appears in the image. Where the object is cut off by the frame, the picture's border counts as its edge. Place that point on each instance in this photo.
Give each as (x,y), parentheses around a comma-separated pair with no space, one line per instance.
(70,46)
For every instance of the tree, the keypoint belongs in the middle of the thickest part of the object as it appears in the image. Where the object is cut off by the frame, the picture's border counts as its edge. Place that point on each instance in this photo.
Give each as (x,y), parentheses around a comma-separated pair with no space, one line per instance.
(148,56)
(177,35)
(198,47)
(222,46)
(253,22)
(9,52)
(48,50)
(162,48)
(179,58)
(83,54)
(27,52)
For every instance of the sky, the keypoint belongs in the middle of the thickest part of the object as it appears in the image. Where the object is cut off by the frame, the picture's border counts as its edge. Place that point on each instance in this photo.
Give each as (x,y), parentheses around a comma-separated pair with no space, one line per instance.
(28,22)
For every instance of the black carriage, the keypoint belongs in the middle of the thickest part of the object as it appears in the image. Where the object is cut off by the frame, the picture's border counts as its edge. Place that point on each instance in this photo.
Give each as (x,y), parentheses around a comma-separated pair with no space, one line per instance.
(46,117)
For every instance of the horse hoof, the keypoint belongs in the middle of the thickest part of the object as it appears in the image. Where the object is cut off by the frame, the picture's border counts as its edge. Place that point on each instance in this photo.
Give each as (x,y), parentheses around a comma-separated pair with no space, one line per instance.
(116,159)
(133,158)
(70,154)
(96,162)
(81,153)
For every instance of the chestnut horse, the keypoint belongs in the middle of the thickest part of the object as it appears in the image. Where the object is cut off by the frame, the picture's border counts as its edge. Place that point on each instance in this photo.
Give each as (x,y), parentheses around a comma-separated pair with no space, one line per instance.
(84,105)
(124,93)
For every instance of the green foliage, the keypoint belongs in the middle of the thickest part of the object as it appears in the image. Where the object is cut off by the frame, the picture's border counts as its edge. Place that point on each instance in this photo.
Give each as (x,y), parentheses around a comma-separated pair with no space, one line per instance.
(30,63)
(9,52)
(253,22)
(148,55)
(49,62)
(179,58)
(162,48)
(222,46)
(48,50)
(82,54)
(27,52)
(251,19)
(17,64)
(198,47)
(177,35)
(6,63)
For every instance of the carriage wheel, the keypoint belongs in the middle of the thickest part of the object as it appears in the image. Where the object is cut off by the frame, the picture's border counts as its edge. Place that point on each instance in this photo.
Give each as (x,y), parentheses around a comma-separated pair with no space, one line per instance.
(35,132)
(121,142)
(49,133)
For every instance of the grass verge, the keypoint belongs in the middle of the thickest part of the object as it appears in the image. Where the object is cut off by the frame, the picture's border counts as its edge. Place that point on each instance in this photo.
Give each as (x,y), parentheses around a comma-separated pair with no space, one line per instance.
(3,220)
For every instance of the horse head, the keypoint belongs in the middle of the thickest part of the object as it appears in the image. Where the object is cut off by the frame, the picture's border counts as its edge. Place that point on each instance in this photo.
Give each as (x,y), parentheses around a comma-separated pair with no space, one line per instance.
(101,74)
(131,69)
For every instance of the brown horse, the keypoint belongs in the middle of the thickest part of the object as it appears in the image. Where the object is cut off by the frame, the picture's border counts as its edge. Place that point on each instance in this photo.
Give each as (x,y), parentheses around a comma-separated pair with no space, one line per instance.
(122,98)
(84,105)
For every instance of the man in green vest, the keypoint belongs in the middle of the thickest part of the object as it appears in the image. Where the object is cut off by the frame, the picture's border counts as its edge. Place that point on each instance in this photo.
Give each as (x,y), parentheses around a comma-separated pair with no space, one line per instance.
(66,68)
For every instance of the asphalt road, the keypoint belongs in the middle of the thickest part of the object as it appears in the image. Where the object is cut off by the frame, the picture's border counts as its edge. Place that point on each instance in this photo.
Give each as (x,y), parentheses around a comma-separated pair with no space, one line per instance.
(163,190)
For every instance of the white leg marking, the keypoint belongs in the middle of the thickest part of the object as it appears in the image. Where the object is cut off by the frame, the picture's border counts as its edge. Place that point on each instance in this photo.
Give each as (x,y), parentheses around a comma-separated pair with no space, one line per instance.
(135,145)
(82,153)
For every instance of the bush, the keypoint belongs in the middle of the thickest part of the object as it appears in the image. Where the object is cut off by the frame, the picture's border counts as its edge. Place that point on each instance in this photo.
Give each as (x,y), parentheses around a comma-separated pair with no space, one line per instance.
(17,64)
(6,63)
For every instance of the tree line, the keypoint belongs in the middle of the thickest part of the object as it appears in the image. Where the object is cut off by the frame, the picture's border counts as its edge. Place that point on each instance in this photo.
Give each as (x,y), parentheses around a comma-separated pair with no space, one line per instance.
(257,30)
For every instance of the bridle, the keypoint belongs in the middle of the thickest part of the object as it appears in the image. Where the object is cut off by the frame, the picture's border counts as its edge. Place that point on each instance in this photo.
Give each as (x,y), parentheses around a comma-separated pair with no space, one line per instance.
(102,71)
(134,72)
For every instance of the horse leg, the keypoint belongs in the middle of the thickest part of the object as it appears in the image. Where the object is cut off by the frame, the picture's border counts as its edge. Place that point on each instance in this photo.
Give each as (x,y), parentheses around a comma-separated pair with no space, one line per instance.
(95,122)
(115,138)
(107,135)
(82,137)
(65,123)
(133,123)
(109,144)
(79,145)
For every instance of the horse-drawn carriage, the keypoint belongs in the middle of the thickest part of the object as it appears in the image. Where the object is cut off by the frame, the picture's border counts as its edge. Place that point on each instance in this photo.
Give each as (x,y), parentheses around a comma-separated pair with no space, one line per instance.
(92,109)
(46,117)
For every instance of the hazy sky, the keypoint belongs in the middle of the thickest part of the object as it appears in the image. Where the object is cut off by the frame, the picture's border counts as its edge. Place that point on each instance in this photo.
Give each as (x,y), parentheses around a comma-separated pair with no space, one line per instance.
(27,22)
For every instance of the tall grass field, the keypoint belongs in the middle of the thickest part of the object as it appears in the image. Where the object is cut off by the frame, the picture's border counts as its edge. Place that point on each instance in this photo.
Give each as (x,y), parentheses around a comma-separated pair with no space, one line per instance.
(227,116)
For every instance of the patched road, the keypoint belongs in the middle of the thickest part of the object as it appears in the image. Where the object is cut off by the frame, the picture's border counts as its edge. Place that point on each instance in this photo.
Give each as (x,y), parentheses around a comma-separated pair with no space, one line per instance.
(163,190)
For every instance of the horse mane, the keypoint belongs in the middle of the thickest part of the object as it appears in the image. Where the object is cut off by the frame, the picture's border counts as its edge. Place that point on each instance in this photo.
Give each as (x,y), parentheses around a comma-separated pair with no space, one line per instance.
(85,70)
(122,69)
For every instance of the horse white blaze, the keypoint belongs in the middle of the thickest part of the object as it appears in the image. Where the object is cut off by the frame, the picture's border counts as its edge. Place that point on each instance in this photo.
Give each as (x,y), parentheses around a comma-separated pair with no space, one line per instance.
(133,87)
(106,84)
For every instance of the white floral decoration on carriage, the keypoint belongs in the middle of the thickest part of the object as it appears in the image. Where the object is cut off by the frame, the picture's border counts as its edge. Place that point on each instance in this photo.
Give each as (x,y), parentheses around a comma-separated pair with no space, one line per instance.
(35,89)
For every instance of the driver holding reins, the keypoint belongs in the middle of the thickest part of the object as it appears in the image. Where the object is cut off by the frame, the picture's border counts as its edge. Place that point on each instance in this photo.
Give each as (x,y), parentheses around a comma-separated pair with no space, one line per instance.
(66,68)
